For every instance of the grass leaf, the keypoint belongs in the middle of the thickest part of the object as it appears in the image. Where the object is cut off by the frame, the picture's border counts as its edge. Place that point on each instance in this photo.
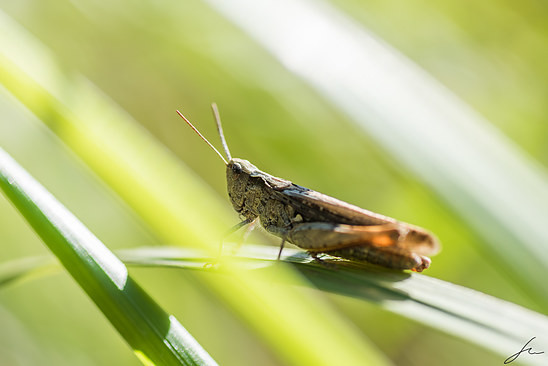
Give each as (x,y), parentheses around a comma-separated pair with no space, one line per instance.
(155,336)
(494,324)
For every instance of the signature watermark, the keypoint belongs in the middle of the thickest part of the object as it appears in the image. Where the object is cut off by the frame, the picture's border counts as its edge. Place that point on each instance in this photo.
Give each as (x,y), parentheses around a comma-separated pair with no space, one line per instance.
(524,349)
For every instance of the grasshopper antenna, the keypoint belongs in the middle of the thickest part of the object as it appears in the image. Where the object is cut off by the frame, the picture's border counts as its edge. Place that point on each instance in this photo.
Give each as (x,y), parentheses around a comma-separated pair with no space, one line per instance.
(220,129)
(203,138)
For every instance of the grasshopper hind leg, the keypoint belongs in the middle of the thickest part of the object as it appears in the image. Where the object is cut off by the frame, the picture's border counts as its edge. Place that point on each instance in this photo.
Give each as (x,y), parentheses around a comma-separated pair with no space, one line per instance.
(425,263)
(395,258)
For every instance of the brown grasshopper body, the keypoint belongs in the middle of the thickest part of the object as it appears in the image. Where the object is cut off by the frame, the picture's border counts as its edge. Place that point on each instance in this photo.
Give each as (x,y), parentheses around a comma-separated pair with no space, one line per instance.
(319,223)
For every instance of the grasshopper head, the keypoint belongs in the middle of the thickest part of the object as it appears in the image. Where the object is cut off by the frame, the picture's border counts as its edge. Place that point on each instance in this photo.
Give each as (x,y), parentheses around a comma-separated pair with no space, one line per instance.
(238,175)
(237,167)
(238,172)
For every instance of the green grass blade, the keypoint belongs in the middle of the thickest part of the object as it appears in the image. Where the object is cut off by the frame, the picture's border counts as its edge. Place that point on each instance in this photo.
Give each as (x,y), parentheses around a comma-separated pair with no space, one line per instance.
(494,324)
(155,336)
(489,181)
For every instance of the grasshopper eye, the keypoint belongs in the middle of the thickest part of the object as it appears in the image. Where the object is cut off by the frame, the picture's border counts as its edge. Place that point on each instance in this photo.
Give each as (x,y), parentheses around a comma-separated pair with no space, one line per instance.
(237,168)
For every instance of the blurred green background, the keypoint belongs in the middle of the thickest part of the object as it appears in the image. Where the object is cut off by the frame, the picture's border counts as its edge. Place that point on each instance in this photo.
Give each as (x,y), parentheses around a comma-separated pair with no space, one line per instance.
(151,58)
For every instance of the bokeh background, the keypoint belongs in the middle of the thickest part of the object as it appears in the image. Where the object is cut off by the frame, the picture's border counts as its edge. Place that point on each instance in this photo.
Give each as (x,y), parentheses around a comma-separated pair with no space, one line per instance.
(150,58)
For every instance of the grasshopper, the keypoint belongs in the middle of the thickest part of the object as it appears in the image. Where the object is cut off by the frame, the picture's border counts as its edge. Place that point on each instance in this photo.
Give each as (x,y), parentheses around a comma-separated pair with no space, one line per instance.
(319,223)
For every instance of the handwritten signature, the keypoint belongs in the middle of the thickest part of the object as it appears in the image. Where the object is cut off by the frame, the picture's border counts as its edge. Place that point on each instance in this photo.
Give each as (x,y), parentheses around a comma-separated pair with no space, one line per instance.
(523,349)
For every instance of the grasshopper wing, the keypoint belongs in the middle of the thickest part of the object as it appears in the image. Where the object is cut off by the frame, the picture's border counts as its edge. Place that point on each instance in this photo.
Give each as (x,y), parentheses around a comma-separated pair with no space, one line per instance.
(321,207)
(358,224)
